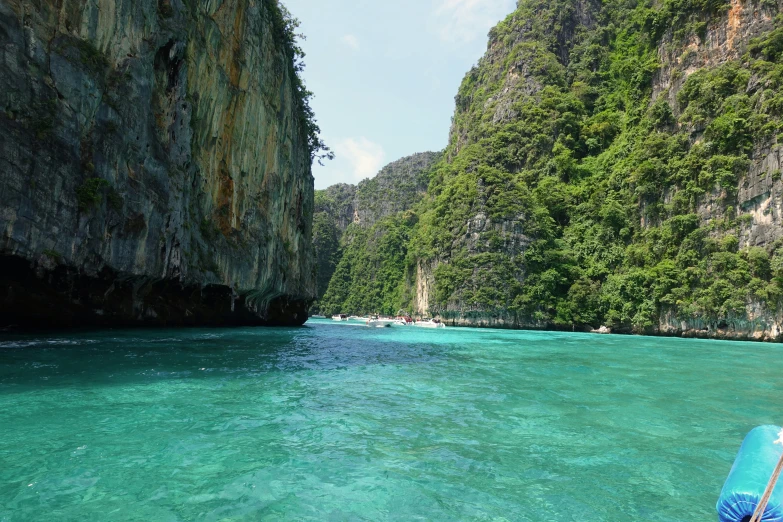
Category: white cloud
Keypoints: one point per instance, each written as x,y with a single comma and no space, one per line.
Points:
364,156
351,41
465,20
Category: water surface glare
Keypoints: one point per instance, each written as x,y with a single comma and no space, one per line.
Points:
339,422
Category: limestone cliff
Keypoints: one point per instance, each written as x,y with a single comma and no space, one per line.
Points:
724,39
614,163
154,165
396,188
475,266
757,196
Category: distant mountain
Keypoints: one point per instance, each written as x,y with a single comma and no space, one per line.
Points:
396,188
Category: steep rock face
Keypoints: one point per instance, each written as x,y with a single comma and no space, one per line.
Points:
758,197
475,265
519,47
339,203
725,39
396,188
154,166
488,249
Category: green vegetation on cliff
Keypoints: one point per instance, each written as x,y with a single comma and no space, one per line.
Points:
285,25
369,277
326,242
349,234
609,184
573,194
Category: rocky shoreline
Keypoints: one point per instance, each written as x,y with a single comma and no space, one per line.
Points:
764,329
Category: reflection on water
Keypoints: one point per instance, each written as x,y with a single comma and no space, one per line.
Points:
339,422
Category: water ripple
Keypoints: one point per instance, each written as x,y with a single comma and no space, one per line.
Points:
329,422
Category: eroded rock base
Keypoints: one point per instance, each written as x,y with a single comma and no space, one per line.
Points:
36,295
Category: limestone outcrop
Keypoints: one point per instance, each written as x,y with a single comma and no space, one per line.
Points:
154,165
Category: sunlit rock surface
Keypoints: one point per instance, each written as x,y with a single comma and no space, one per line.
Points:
154,167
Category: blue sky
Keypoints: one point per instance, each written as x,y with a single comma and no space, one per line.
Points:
385,74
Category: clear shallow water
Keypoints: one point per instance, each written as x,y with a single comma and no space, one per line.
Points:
339,422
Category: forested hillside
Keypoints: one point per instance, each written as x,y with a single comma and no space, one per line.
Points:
347,221
610,163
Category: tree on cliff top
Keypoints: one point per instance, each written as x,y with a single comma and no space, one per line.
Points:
285,26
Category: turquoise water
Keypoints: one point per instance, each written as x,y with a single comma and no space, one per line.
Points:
340,422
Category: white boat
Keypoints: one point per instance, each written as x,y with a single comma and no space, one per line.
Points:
340,317
430,323
379,323
356,319
376,322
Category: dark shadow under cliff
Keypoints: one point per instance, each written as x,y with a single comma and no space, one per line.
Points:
37,296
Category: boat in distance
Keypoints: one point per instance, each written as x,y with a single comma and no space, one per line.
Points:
429,323
379,322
